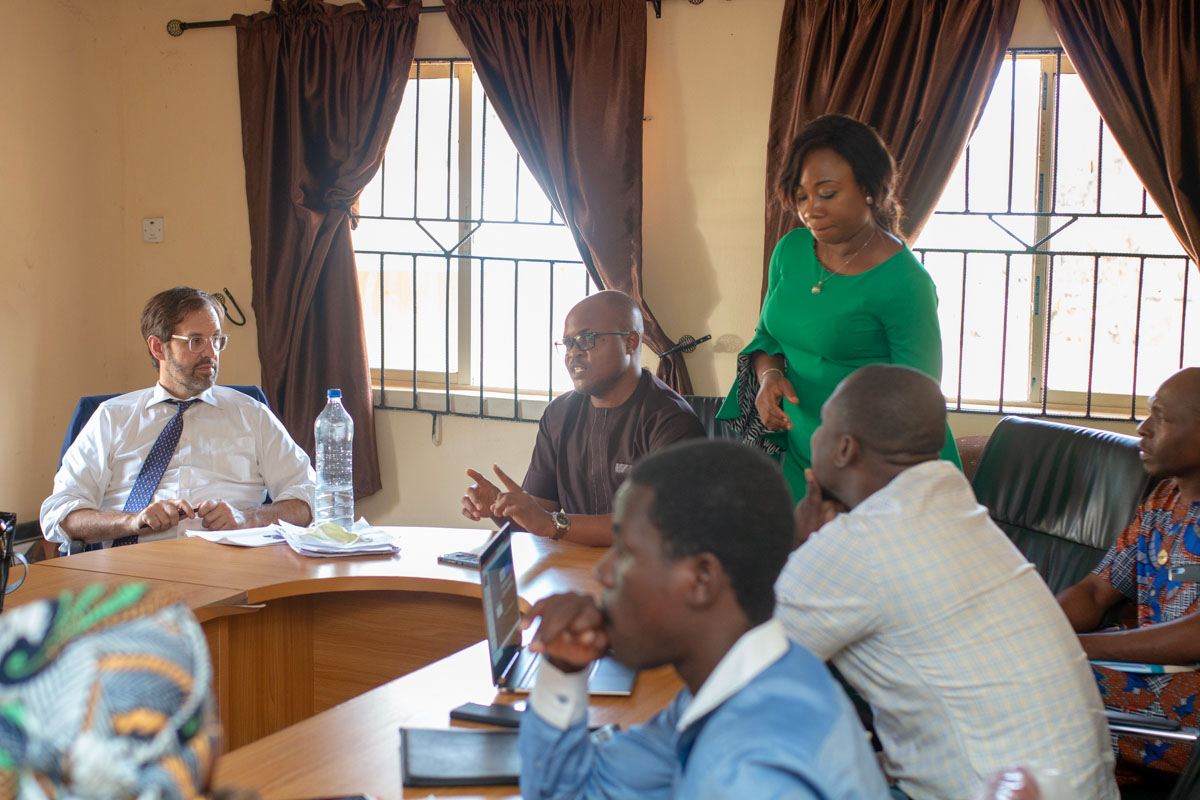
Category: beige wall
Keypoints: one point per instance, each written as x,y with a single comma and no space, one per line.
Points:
704,171
108,120
181,153
60,222
116,121
1033,28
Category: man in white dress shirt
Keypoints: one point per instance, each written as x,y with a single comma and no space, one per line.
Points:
228,454
928,610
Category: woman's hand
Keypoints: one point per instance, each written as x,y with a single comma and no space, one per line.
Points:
772,387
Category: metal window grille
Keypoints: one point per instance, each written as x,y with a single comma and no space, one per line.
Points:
1062,290
465,270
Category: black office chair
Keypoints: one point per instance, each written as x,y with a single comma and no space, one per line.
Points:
1062,493
706,409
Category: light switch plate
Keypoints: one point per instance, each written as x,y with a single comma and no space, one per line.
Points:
152,229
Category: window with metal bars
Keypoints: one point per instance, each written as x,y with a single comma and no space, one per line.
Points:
465,270
1062,289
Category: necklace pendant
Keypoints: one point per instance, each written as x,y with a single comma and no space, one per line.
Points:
816,289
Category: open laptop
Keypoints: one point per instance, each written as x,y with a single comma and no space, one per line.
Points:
513,667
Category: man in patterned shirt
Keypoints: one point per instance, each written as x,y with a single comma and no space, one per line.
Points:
1164,535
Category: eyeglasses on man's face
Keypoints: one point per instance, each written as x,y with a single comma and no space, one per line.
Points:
197,343
585,341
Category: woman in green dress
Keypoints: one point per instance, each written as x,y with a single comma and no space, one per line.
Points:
842,291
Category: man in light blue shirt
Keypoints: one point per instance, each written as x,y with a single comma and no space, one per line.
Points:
700,533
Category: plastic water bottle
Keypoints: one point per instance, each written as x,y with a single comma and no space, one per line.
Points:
335,463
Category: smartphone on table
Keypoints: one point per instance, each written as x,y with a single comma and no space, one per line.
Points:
460,558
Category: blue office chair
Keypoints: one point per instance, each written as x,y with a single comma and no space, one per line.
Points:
88,405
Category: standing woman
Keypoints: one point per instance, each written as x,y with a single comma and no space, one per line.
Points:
843,291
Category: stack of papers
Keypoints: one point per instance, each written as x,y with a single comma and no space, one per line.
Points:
329,539
244,537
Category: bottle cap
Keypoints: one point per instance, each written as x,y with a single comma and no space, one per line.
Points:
335,394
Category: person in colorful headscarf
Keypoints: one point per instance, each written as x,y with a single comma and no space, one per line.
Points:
105,693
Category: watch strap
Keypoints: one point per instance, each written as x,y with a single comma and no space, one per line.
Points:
562,524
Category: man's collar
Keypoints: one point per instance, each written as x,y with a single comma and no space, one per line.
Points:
161,395
756,649
918,478
642,381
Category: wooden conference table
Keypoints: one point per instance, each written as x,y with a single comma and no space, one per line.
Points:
353,749
292,637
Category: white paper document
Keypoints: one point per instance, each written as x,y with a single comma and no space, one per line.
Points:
361,539
246,537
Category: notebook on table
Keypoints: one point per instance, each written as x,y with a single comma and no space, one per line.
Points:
514,668
457,757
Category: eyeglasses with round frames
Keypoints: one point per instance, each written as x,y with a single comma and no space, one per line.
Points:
197,343
585,341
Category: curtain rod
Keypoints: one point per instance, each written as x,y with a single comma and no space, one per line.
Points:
177,27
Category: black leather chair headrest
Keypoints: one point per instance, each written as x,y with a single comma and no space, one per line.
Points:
1079,484
706,409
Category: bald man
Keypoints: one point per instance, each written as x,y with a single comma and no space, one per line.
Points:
927,609
1163,536
588,439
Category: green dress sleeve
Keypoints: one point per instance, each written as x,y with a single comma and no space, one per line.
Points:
739,409
911,325
915,337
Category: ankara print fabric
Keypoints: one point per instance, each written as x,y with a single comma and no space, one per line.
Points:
1165,534
105,693
1164,696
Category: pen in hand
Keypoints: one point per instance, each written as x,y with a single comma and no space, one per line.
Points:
145,527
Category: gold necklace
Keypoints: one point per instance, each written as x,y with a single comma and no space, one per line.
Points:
816,289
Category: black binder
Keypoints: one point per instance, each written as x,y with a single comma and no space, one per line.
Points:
458,757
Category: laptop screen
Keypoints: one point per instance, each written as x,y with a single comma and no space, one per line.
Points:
498,583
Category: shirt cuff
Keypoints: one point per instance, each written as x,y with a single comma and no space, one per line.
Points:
51,518
560,698
306,496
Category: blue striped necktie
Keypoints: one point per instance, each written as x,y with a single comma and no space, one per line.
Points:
155,465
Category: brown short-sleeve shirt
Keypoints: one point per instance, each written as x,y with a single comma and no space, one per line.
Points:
584,453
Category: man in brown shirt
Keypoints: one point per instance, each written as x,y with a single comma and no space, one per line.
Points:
588,439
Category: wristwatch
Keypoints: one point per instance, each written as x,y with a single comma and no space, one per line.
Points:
562,524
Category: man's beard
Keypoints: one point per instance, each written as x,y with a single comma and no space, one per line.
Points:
192,379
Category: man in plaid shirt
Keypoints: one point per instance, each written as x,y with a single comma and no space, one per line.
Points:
928,610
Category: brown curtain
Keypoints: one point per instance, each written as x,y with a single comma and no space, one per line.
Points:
918,71
320,87
1140,62
567,79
